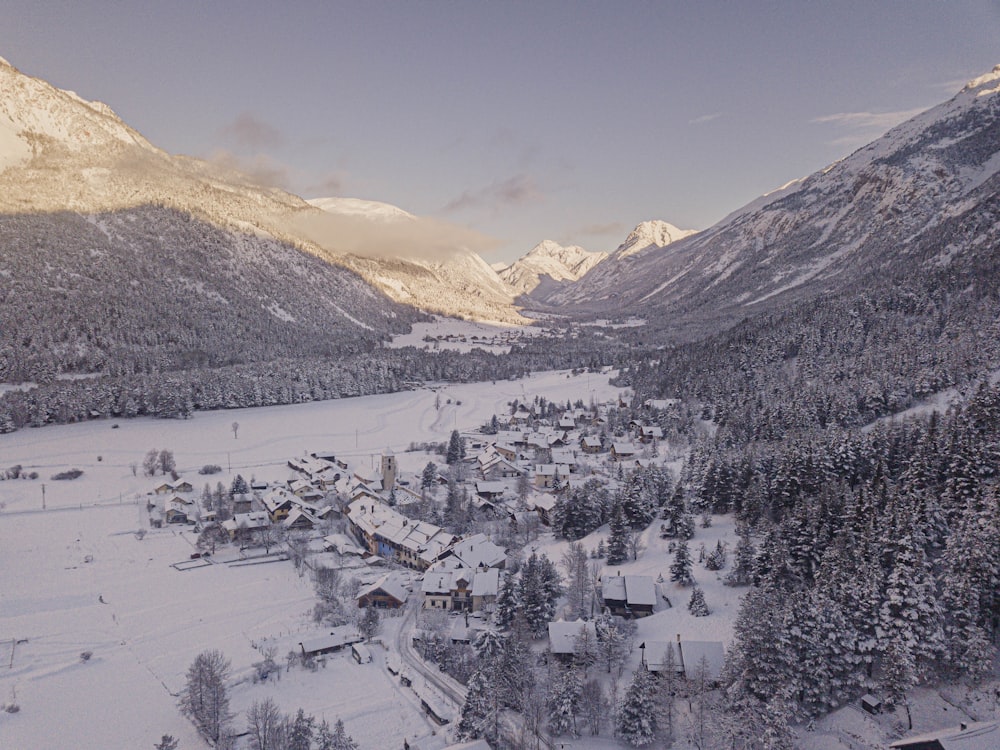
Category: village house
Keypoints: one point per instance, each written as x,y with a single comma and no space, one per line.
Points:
628,596
623,451
563,636
243,525
384,532
337,639
388,592
591,444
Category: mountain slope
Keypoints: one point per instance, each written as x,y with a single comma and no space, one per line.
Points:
895,206
601,282
60,153
547,265
444,276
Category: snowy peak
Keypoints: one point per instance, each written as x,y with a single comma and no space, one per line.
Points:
417,261
37,119
648,234
548,265
920,197
362,209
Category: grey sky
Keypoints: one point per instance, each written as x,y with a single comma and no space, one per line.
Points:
520,120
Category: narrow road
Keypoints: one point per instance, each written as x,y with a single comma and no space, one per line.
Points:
447,685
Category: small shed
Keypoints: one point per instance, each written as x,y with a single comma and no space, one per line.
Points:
361,653
871,703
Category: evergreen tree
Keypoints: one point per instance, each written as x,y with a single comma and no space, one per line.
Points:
680,568
480,713
618,537
564,701
456,449
539,590
300,733
429,476
697,605
508,601
637,715
239,486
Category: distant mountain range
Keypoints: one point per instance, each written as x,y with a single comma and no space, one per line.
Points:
95,218
919,198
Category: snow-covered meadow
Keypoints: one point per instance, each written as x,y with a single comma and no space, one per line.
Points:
59,563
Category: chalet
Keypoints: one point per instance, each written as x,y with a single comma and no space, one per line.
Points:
342,544
163,489
566,422
279,504
242,503
563,636
388,592
590,444
183,486
337,639
299,519
384,532
974,735
566,457
661,403
242,525
547,475
629,596
490,490
503,469
544,504
622,451
476,551
521,416
175,515
687,656
649,433
485,587
693,653
461,589
436,588
257,485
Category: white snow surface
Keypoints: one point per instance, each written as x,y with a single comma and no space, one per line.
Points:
57,563
373,210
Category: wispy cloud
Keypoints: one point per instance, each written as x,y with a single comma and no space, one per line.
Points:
249,132
702,119
868,120
260,170
518,190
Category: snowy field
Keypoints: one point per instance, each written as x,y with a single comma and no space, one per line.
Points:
58,564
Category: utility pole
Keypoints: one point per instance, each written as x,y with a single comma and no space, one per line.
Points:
43,495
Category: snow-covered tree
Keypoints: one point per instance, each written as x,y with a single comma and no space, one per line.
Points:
564,701
618,538
681,567
636,722
205,697
696,605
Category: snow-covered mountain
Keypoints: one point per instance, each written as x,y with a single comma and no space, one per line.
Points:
600,282
917,198
59,152
444,277
547,266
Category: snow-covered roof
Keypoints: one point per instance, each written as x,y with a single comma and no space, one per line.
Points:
623,449
490,488
476,551
563,635
486,582
613,588
437,582
640,590
425,540
976,735
343,544
336,638
391,583
543,502
692,652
